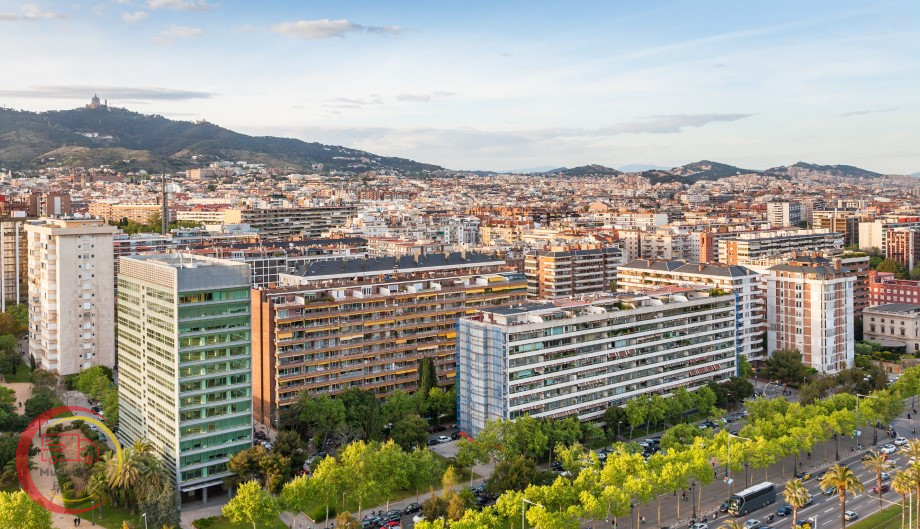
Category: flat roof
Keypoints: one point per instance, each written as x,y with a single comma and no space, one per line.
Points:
904,308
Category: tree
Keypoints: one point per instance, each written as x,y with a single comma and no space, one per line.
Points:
398,405
362,413
346,521
636,412
410,432
844,480
892,266
705,399
246,466
427,376
18,510
903,485
731,524
252,504
614,419
657,410
457,503
276,469
516,473
679,436
796,496
7,396
162,509
744,367
914,273
422,467
877,463
297,495
38,403
321,414
786,365
440,403
289,444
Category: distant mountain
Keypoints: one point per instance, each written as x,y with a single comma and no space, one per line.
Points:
640,167
917,175
828,170
528,170
131,141
585,170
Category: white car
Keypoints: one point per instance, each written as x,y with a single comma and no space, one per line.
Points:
886,476
443,439
752,523
900,441
417,518
700,526
850,516
888,449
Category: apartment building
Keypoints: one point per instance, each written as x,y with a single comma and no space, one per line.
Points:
874,234
306,222
785,214
140,213
367,323
71,294
14,262
202,216
397,246
564,271
577,358
628,221
50,204
885,289
894,324
903,246
645,275
843,222
810,308
184,363
750,246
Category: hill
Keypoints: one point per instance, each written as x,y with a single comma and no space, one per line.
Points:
847,171
129,140
585,170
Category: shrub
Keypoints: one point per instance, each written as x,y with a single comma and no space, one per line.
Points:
205,523
319,513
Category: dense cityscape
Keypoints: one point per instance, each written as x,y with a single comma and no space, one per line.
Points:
209,329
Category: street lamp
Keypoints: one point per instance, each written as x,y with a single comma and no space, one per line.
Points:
144,516
874,430
728,465
525,501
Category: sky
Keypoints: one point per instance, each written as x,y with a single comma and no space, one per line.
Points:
497,85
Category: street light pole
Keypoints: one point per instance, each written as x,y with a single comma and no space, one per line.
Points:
728,465
524,501
144,516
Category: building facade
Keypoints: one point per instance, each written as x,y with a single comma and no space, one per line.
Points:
14,262
185,373
785,214
894,323
644,275
306,222
569,271
810,308
71,294
885,289
903,247
750,246
339,332
577,358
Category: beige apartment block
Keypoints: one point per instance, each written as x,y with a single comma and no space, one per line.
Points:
71,294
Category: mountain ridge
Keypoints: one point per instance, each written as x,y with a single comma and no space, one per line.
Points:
93,136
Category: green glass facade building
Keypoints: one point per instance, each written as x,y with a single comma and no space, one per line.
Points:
184,362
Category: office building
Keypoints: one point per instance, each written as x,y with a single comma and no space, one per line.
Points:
577,358
366,323
184,358
810,309
893,325
71,294
644,275
571,270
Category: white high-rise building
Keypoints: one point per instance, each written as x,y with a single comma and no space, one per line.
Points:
71,294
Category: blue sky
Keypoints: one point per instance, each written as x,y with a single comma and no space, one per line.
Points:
498,85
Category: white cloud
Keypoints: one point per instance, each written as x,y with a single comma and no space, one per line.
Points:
170,34
326,29
136,16
421,98
181,5
121,93
30,12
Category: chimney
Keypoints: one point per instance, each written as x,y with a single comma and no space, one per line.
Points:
836,264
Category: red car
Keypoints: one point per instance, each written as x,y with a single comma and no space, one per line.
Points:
885,488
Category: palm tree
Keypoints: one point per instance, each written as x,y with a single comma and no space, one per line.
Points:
844,480
796,496
878,462
731,524
142,447
903,484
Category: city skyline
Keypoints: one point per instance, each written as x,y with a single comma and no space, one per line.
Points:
497,87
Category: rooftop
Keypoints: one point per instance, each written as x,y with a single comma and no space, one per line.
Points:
904,308
683,267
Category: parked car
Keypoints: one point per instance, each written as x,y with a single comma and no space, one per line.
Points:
556,465
412,508
417,518
443,439
394,514
900,441
850,516
455,436
432,442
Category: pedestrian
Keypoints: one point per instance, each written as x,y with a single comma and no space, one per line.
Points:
908,416
75,522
